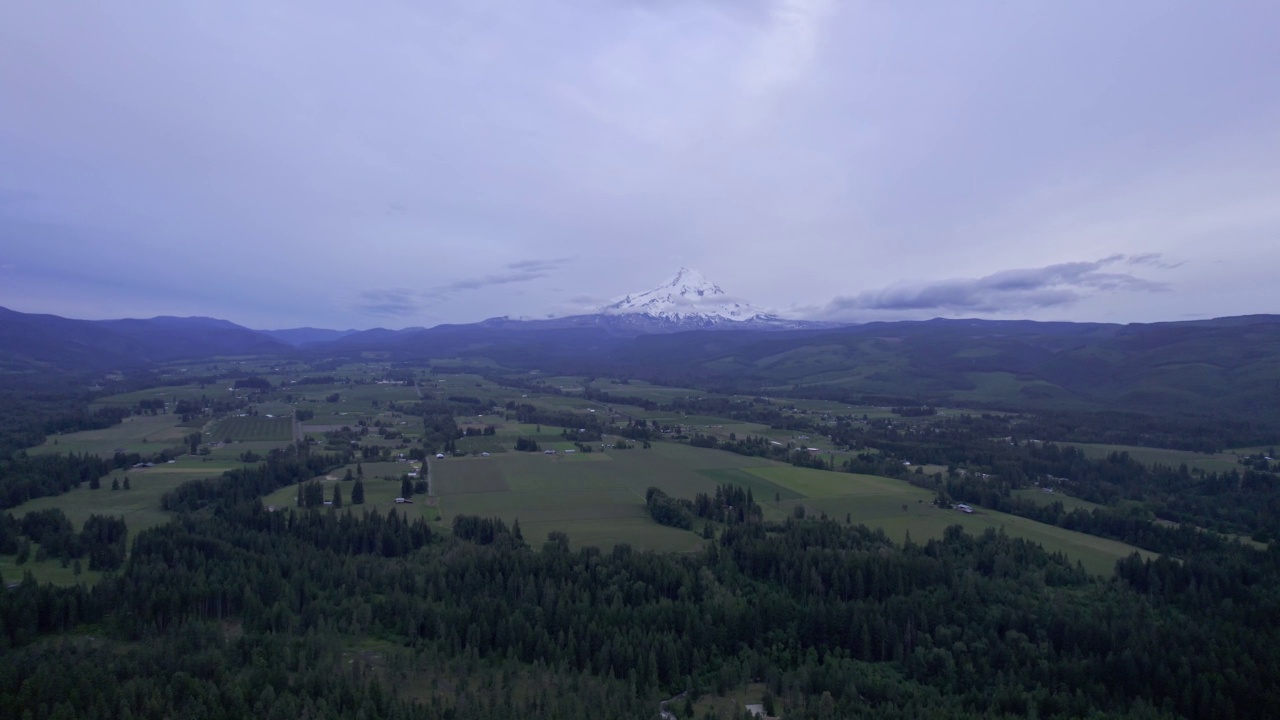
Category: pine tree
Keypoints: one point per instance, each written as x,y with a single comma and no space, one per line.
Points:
406,487
360,470
337,496
348,477
127,486
357,493
115,483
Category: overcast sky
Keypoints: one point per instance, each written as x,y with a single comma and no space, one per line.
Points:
393,163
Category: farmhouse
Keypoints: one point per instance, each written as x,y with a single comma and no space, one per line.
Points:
403,501
964,508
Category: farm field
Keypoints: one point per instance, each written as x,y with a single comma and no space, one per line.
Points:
138,433
1218,462
139,506
381,488
601,501
481,443
253,427
899,508
1043,498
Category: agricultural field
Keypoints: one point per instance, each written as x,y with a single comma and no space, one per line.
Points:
1217,462
253,427
138,433
381,488
168,394
598,498
139,507
900,508
1040,497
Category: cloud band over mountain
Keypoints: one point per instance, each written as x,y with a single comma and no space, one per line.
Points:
1010,290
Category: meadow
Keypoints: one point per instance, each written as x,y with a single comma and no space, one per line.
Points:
601,501
900,508
138,433
1217,462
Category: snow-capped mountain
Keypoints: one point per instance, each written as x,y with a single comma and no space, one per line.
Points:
689,299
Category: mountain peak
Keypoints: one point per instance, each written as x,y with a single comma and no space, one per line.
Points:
688,298
692,282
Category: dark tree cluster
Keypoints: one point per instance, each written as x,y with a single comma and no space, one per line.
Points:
666,510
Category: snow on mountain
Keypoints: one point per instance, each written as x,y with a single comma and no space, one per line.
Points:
688,298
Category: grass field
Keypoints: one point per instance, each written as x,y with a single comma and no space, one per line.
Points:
596,498
1218,462
601,501
253,427
1043,498
138,433
481,443
899,508
48,571
139,507
381,488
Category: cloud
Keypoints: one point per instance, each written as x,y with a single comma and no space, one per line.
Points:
1008,290
402,302
789,45
519,271
390,302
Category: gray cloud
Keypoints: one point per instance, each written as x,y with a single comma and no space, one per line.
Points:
390,302
519,272
1017,290
403,302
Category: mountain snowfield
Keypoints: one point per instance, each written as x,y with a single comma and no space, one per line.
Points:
688,298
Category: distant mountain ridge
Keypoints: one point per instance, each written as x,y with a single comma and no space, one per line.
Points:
31,341
301,337
1224,368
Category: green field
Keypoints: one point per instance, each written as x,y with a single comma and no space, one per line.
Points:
1040,497
381,488
253,427
481,443
899,508
1218,462
139,507
601,501
596,498
138,433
